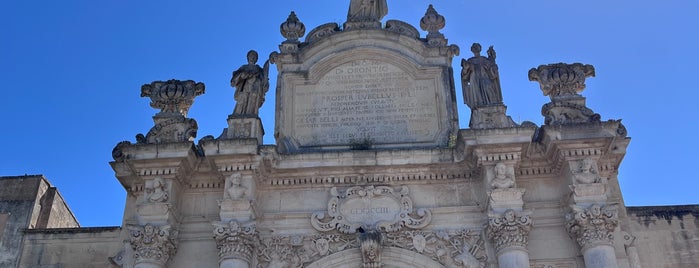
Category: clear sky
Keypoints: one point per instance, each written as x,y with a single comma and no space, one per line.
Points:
71,74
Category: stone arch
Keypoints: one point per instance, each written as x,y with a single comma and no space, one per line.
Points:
391,257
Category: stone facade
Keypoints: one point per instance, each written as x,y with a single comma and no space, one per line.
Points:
371,169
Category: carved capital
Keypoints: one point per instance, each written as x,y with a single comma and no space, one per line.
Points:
509,230
562,79
592,226
152,244
235,240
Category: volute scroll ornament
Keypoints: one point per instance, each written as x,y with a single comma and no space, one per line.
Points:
594,225
235,240
510,230
370,208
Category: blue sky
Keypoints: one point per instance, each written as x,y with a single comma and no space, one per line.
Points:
72,71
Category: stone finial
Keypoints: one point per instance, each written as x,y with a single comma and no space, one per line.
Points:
509,230
172,96
152,244
562,79
432,22
292,29
592,226
562,82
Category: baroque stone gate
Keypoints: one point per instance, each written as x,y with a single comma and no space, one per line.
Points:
370,168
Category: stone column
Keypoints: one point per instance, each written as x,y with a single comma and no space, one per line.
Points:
236,243
153,245
593,229
509,233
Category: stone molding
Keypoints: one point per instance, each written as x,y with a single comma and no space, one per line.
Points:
509,230
451,248
235,240
153,244
592,226
370,207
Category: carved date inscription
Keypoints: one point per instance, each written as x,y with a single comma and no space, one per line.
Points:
366,102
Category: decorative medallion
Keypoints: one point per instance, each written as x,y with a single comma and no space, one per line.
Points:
370,208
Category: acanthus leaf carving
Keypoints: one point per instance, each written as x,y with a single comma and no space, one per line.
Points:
592,226
235,240
510,230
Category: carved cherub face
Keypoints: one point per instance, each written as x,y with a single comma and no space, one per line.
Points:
586,165
596,210
510,215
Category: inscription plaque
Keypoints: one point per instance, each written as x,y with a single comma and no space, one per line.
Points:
370,207
366,102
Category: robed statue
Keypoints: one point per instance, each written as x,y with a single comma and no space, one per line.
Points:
251,83
480,79
367,10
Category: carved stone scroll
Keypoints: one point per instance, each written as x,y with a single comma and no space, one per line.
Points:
173,98
371,208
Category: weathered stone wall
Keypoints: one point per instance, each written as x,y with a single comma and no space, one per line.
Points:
70,247
17,195
666,236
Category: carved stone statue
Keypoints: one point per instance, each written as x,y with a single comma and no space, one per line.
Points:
158,192
502,179
480,79
234,188
367,10
251,83
586,172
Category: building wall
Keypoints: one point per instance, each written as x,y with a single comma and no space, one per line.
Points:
28,202
666,236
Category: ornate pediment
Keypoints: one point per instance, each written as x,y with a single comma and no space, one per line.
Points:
370,208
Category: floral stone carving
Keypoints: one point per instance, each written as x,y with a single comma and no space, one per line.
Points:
371,208
451,248
510,230
153,244
173,98
370,245
235,240
592,226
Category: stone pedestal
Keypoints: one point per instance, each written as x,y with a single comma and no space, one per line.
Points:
237,210
508,198
589,193
244,128
155,213
513,258
490,117
600,256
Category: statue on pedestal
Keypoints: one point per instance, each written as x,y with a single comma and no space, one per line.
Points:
251,83
367,10
480,79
